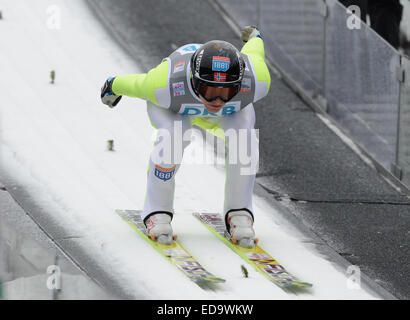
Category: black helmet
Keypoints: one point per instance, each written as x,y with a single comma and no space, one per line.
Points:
217,64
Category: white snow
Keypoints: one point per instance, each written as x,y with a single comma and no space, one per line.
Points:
53,140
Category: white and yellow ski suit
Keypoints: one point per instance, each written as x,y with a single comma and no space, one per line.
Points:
170,98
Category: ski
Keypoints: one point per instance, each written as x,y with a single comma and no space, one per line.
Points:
174,252
258,258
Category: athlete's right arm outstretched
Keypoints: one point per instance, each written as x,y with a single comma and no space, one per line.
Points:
142,85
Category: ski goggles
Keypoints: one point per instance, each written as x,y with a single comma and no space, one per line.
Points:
212,93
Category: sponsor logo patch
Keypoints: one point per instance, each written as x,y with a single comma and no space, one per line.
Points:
164,173
246,85
178,88
189,48
199,110
246,66
220,63
179,66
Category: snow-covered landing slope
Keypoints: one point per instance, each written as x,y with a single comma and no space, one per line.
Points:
53,143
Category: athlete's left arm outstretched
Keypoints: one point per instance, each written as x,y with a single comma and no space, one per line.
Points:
254,48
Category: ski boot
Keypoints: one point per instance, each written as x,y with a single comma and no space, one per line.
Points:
240,228
159,228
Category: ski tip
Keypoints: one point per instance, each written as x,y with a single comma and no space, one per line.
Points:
298,285
209,280
306,284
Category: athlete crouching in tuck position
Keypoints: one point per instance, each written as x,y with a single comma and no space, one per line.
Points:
209,85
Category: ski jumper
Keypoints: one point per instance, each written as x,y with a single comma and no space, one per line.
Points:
171,99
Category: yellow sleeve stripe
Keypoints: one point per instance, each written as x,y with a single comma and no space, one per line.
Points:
142,85
255,49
